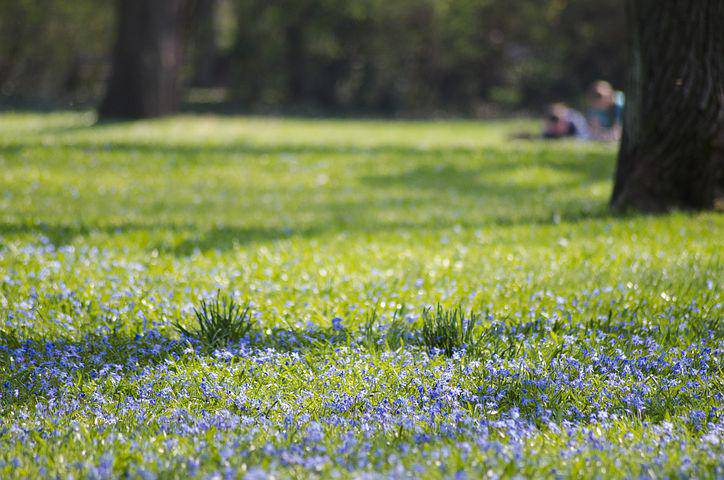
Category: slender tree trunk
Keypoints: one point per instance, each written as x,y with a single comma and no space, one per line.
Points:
147,59
295,62
205,51
672,150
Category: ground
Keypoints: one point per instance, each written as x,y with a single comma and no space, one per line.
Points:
598,340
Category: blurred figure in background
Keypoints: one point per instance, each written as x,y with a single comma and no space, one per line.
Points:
605,111
562,121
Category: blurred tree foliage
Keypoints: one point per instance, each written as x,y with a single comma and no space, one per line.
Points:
424,55
376,56
54,49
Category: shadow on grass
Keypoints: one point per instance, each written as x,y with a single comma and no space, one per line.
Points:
11,149
32,367
198,238
427,186
594,165
449,177
228,237
27,365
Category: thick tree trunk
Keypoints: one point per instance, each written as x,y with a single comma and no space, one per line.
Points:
147,59
671,153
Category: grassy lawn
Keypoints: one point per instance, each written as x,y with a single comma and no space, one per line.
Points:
596,350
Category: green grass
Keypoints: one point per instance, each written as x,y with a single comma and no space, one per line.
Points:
110,234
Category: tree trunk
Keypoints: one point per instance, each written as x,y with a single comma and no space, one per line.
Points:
671,153
295,62
205,50
147,59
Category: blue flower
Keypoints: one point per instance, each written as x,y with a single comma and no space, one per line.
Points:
337,324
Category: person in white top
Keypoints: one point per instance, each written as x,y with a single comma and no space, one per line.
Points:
562,121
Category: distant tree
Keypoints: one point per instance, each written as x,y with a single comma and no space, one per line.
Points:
204,39
147,59
671,153
422,56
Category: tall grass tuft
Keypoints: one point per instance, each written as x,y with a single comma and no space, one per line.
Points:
219,322
449,329
376,336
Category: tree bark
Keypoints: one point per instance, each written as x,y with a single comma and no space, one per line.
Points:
147,59
205,50
295,62
672,149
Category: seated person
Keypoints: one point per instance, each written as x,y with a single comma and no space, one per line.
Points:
564,122
605,111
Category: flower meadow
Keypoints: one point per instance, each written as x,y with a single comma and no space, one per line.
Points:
425,300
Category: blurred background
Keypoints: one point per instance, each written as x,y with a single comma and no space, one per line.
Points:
408,58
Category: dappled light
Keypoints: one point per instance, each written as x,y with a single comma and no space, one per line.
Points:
355,239
421,283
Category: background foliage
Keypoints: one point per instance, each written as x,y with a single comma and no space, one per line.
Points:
468,57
